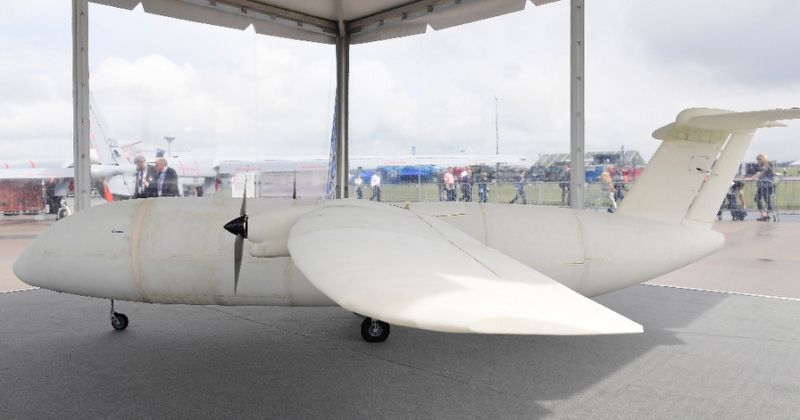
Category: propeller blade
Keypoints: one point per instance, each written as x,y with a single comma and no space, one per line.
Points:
238,247
238,227
243,211
294,187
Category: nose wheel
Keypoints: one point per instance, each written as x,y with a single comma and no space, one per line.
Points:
118,321
374,331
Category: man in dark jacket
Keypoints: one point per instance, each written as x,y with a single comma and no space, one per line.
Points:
167,181
146,176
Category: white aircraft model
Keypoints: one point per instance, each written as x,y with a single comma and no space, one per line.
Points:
450,267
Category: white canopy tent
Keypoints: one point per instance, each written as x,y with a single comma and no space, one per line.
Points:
339,22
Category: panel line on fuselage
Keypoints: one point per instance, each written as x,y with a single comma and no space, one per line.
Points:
136,236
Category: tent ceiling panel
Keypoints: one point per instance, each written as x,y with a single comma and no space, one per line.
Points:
395,30
319,20
122,4
189,11
292,31
473,12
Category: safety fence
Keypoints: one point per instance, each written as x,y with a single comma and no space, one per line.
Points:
786,196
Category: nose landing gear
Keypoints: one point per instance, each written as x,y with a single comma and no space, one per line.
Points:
374,331
118,321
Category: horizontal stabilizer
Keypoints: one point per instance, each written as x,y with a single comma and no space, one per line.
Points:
416,271
726,121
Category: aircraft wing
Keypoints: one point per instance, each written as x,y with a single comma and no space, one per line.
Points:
37,173
417,271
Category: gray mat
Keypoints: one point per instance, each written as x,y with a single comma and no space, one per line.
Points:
704,355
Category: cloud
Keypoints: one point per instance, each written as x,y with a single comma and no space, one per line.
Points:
744,42
236,94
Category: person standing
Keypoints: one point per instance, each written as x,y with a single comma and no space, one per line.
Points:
564,185
519,188
483,188
609,190
450,185
466,184
167,181
764,187
358,181
145,178
440,184
375,183
619,185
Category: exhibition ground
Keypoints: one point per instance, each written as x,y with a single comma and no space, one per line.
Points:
721,341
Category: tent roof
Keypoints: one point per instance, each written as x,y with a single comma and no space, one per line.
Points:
322,20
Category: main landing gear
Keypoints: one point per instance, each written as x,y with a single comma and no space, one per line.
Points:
374,331
118,321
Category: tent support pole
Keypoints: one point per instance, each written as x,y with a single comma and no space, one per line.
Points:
342,114
80,104
577,116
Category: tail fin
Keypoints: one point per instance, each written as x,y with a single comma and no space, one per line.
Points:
688,176
101,145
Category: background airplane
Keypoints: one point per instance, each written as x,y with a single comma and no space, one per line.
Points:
108,171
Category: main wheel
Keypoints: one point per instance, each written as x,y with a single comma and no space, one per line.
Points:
374,331
119,321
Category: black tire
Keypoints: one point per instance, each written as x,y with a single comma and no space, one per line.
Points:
119,321
374,331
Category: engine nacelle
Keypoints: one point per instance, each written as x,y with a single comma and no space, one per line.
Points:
268,232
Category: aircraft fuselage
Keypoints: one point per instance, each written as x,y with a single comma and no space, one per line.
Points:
174,250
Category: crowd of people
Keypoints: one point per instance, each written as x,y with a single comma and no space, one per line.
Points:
464,179
159,180
374,184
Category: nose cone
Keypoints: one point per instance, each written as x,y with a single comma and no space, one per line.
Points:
29,266
87,253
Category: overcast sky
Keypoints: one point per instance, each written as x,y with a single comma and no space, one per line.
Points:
235,94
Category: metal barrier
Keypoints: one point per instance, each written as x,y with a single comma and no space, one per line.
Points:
786,197
537,193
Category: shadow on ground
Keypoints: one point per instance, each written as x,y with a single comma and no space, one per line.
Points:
60,358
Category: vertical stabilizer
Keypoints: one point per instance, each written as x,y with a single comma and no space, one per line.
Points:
688,176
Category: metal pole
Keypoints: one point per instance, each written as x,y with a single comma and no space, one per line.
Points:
80,104
342,91
577,120
496,127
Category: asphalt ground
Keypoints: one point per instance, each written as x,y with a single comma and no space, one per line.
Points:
704,355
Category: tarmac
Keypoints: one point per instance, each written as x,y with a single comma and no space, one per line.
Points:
730,352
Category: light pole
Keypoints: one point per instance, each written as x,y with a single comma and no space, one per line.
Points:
169,140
